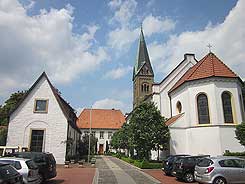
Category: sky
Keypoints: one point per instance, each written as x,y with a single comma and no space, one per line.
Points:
88,48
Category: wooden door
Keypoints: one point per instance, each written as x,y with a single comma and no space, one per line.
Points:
101,149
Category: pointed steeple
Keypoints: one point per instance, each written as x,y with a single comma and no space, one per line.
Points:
142,56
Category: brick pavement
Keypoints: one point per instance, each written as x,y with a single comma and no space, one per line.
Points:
73,175
159,175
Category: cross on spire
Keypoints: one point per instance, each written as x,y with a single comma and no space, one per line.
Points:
209,46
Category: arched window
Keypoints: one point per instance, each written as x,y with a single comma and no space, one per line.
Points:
202,107
142,87
227,107
179,107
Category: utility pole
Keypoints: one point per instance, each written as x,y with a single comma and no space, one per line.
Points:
89,136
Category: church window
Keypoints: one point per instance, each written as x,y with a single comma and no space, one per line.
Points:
227,107
142,87
41,105
147,88
37,140
203,110
179,107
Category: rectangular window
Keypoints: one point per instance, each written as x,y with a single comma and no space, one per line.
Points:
109,135
41,105
93,133
37,140
101,135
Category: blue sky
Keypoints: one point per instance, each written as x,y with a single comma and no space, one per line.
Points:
88,48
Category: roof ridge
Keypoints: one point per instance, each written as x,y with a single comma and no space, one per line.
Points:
225,65
198,65
212,61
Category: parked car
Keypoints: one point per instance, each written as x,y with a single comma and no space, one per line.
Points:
9,175
169,163
185,166
26,167
45,161
220,170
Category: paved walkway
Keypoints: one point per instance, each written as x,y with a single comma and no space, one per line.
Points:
111,170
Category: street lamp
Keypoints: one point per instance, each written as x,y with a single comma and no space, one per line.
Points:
90,120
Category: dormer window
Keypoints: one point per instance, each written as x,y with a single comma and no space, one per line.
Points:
41,105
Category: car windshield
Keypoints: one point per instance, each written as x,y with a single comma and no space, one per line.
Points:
205,162
31,165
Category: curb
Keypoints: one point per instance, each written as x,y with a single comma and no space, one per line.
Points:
141,170
96,177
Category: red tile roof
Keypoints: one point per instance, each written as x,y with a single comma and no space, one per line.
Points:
101,118
209,66
173,119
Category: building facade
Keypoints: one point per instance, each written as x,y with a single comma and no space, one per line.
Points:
44,122
103,122
202,101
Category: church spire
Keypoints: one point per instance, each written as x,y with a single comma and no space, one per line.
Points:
142,56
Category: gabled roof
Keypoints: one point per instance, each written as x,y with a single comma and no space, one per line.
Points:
173,119
142,56
209,66
67,110
101,119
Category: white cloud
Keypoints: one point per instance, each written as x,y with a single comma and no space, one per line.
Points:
227,38
118,72
127,33
113,4
32,44
109,103
124,11
158,24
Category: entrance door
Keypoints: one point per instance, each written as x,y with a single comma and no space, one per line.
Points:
37,140
101,149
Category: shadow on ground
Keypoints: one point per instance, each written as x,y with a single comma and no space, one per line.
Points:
54,181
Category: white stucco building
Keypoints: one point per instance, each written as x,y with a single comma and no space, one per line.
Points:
43,121
203,101
104,123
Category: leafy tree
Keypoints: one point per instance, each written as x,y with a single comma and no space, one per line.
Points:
148,129
240,133
5,109
9,105
84,144
122,138
3,136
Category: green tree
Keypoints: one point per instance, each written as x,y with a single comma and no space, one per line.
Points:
9,105
122,138
5,109
84,144
240,133
148,129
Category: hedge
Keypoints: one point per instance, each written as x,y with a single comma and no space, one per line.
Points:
238,154
142,164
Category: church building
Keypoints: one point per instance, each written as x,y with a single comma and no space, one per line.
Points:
201,99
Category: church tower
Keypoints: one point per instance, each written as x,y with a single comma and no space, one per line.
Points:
143,76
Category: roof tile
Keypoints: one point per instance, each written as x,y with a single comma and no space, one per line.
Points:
101,118
209,66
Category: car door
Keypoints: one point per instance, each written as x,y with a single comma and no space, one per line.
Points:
240,175
229,170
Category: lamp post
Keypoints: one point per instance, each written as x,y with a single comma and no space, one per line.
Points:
90,123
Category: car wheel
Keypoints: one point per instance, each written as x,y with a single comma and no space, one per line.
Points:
219,180
189,177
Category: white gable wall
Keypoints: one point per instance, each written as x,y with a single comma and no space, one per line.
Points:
23,120
213,138
160,91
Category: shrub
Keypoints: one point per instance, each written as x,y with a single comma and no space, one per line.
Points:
238,154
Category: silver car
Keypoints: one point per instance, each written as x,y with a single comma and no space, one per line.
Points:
220,170
26,167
